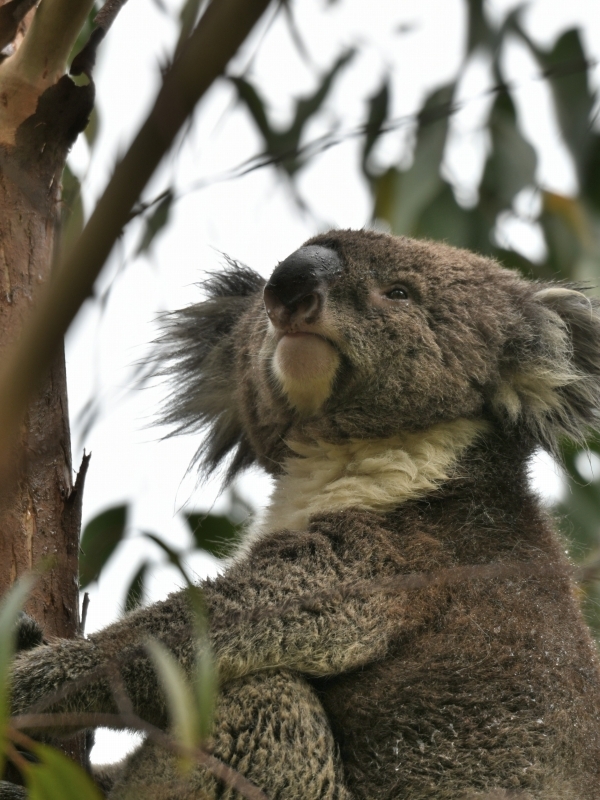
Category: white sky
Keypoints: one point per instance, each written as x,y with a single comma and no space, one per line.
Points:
255,220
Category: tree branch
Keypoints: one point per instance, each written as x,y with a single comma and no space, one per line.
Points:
42,57
216,39
11,14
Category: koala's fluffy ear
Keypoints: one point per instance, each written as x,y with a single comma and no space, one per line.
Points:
197,351
550,376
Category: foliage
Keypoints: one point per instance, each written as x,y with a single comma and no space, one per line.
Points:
419,200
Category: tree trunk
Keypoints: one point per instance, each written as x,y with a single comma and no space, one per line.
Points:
40,507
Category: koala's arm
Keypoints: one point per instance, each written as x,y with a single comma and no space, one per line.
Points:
254,624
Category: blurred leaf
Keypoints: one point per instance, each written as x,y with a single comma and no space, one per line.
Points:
56,777
134,596
378,112
98,542
401,197
567,73
10,606
283,145
205,673
190,12
91,131
72,216
183,712
443,219
590,177
511,164
155,222
566,231
174,557
84,33
579,520
205,686
215,534
479,32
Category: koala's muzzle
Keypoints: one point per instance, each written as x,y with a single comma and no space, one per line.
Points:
296,289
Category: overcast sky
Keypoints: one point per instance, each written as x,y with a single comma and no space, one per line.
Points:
255,219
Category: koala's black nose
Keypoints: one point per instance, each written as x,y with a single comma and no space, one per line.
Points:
295,290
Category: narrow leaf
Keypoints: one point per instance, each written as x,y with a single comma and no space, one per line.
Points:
56,777
215,534
156,222
378,111
72,216
180,698
99,541
134,596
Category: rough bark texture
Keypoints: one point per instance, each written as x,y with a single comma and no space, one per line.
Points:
40,507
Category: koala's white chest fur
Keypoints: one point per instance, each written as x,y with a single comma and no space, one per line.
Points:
376,475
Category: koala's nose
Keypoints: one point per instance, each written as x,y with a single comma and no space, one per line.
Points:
296,289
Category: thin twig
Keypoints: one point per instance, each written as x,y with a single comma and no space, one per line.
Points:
84,612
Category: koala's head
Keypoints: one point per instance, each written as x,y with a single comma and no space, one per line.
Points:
361,335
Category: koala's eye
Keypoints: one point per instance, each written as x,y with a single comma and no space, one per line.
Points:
397,293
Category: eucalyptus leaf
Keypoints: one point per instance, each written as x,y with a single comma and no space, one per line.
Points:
56,777
378,105
100,538
512,161
134,596
407,194
215,534
283,145
183,712
72,215
566,68
155,223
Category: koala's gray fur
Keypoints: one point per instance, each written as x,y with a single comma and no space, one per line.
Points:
402,624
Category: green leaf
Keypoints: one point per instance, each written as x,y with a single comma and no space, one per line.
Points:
215,534
378,112
283,145
56,777
174,557
479,32
183,712
205,686
156,222
188,15
511,164
566,231
590,174
567,73
99,541
401,197
72,216
91,131
134,596
205,673
443,219
10,606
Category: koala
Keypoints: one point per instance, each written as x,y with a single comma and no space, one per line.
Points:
402,622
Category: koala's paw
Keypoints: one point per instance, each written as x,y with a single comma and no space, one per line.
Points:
29,635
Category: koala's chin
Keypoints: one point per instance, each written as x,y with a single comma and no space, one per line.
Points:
305,366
